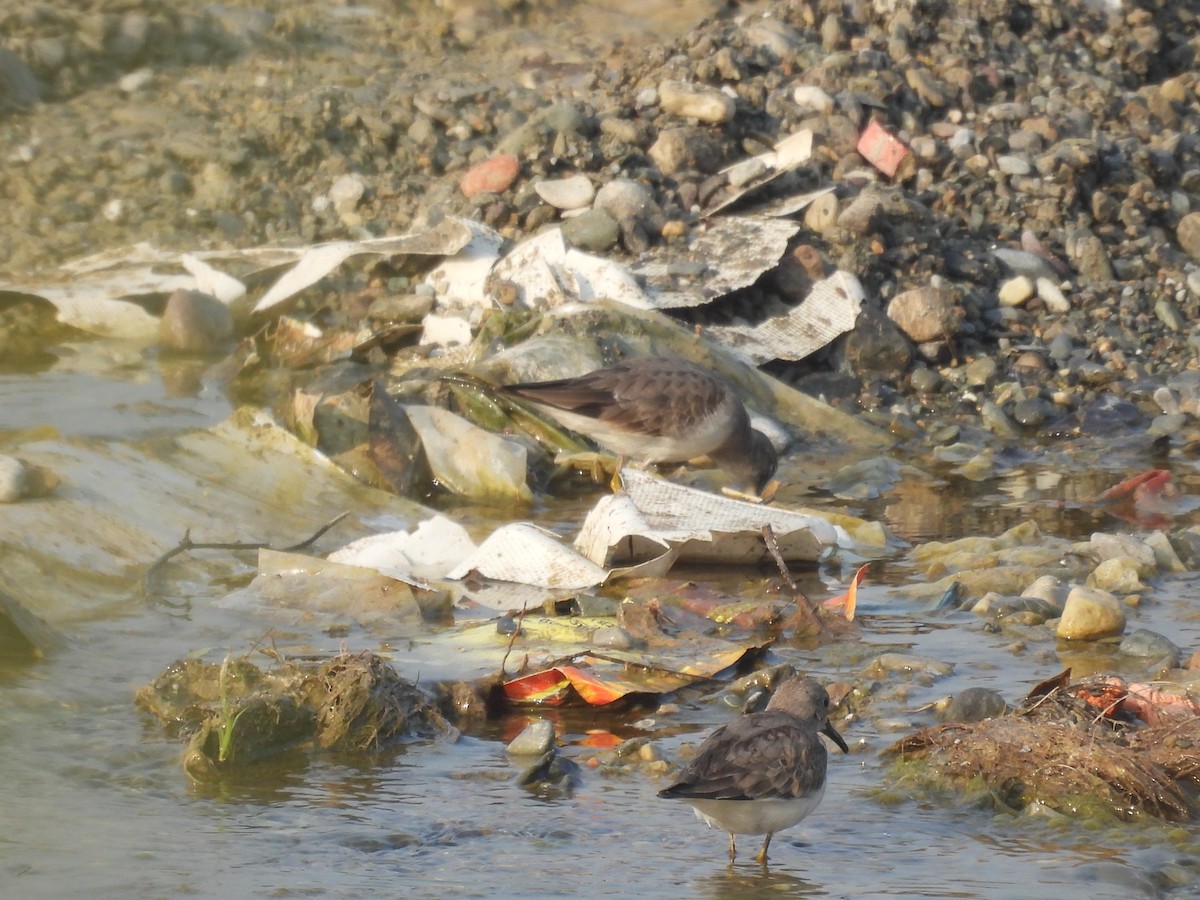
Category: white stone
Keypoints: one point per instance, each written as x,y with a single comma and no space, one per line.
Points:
135,80
1049,589
811,98
1013,165
575,192
692,101
1052,295
347,192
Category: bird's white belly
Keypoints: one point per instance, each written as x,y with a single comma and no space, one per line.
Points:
756,816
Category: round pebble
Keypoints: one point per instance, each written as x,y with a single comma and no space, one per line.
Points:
575,192
492,176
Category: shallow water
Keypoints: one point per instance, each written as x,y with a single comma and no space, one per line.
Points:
95,798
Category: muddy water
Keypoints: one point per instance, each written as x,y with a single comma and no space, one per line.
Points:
94,798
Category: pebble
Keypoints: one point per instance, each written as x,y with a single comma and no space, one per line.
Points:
1016,291
1013,165
1048,589
981,372
575,192
1147,644
593,230
821,215
1120,575
1104,546
812,99
693,101
492,176
347,192
924,313
1089,614
1187,232
685,148
13,483
1051,294
623,198
974,705
535,739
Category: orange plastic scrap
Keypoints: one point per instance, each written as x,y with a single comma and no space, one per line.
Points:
848,601
1154,707
596,691
562,684
1113,695
882,149
549,687
1145,486
1147,499
599,739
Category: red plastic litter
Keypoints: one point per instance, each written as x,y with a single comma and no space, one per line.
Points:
882,149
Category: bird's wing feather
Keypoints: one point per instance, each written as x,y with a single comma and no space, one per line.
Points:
766,755
633,398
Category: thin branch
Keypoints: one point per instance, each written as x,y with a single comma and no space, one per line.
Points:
772,543
513,639
186,545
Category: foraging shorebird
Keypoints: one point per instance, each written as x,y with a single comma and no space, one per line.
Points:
764,772
655,409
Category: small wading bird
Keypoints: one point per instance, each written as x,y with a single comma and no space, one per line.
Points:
764,772
654,410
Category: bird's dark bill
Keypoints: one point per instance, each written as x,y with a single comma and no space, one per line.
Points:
832,734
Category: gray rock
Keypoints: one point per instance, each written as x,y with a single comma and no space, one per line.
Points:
974,705
1145,644
1092,261
622,198
593,230
1022,262
404,308
1106,546
980,372
19,87
535,739
129,40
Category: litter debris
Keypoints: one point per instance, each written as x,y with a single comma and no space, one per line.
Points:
884,150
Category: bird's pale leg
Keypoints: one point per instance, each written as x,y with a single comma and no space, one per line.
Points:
762,854
732,849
